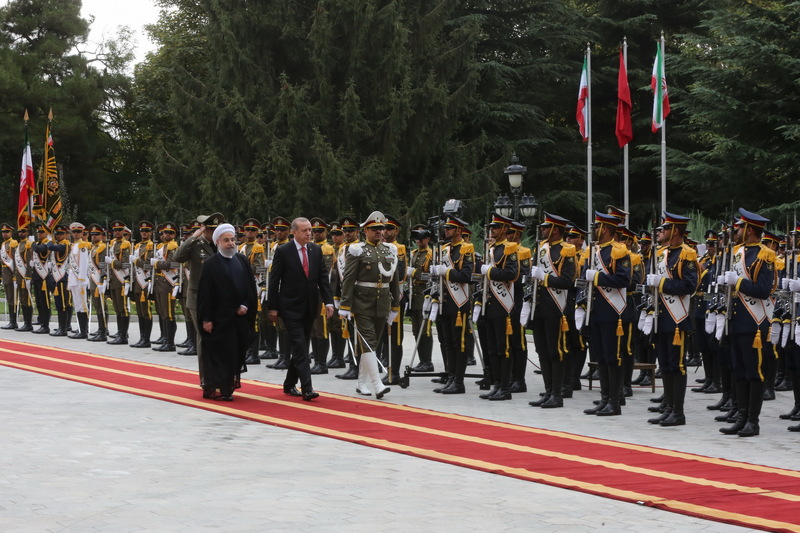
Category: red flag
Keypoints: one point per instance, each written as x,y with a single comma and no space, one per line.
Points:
27,184
624,128
583,97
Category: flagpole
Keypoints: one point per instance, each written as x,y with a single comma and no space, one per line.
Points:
625,175
663,138
589,212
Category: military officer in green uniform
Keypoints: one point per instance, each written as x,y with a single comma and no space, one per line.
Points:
118,257
142,254
320,332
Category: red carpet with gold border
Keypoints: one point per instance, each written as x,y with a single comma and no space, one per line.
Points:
717,489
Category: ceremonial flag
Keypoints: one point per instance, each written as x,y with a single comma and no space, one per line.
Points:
624,128
52,188
583,102
27,183
658,83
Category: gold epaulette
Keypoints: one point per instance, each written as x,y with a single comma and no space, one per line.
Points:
636,259
172,245
524,253
149,246
618,250
401,249
85,246
737,247
327,248
467,248
568,250
780,263
124,245
767,254
660,250
510,248
258,248
688,253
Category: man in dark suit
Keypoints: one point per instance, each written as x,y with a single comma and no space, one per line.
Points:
226,308
297,280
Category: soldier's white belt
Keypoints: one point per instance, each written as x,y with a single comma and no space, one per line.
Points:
372,284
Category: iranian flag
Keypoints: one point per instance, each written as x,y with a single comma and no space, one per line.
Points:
583,102
658,83
27,185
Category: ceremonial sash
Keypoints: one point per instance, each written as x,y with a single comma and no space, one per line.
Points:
78,264
40,266
7,259
759,309
677,306
617,298
123,272
22,268
171,275
501,289
459,292
546,263
138,271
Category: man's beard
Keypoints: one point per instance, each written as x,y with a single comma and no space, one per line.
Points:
229,253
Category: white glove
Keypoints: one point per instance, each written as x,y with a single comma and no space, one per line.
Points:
794,285
720,326
392,316
525,314
537,273
721,280
775,332
654,280
648,324
426,305
580,316
175,290
153,261
476,314
109,259
410,271
711,322
731,277
434,312
642,318
785,334
797,333
268,263
485,269
126,287
785,284
101,289
336,303
590,274
344,313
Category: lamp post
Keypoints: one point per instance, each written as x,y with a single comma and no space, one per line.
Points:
526,204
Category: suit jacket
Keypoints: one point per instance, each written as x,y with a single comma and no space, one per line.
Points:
291,293
218,298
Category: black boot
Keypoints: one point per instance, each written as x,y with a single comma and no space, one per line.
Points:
12,318
457,387
61,331
27,318
666,407
602,372
676,417
191,337
252,352
168,345
145,326
122,330
162,328
351,373
320,345
742,389
614,383
756,393
504,393
83,327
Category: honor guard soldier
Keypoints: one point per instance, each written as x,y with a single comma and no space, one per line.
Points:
166,284
7,250
59,278
418,299
118,262
704,323
335,322
456,263
576,354
256,255
320,331
393,354
675,281
500,270
554,276
194,251
268,334
644,350
630,316
22,277
189,345
143,252
608,274
751,279
522,308
776,351
40,261
98,281
280,226
78,284
350,230
371,295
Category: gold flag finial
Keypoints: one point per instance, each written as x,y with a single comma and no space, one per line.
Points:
25,117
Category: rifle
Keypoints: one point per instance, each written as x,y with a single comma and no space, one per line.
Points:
486,251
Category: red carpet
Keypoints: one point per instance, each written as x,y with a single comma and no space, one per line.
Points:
717,489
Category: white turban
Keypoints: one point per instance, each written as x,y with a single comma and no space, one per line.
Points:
222,228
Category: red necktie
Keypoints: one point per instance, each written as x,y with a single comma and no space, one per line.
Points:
305,260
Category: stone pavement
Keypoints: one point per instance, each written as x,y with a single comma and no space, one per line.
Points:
77,458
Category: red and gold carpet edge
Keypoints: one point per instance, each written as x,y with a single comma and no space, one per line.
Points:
744,494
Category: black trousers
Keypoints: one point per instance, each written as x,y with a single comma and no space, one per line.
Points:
299,333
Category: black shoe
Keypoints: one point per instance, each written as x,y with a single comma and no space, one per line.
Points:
659,399
184,344
99,338
794,428
609,410
161,340
638,379
292,392
58,333
269,354
120,339
518,386
454,388
541,401
471,360
713,389
627,391
142,344
43,330
352,373
701,389
190,350
383,393
78,335
769,394
784,386
423,367
281,364
253,359
10,325
25,327
335,363
487,395
394,381
500,395
208,393
310,395
750,429
791,413
659,419
166,347
674,420
656,408
319,369
553,402
734,429
646,381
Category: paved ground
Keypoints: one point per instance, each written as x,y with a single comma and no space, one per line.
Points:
77,458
